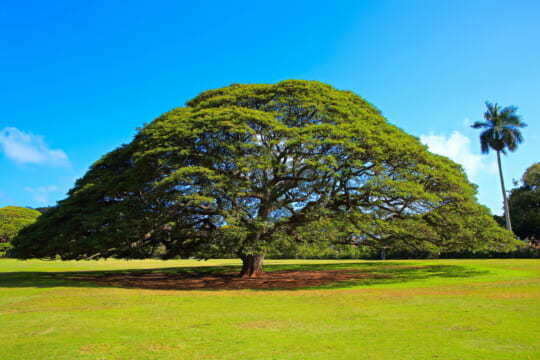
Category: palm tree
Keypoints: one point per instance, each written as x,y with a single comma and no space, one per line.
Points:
501,133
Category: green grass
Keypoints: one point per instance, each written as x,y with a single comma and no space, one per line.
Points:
438,309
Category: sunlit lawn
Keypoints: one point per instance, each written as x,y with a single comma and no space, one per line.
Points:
438,309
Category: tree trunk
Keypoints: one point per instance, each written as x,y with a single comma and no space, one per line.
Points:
252,265
506,208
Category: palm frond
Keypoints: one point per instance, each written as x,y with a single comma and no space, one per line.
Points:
509,117
479,124
518,136
492,112
502,128
508,139
485,139
509,110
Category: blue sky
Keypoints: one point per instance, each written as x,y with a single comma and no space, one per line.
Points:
78,77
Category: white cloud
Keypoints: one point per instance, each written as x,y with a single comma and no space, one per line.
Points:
28,148
42,189
458,148
41,199
41,194
5,198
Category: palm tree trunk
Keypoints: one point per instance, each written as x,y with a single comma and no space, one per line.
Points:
506,208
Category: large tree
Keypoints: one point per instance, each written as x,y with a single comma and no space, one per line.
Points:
12,220
524,203
501,132
247,168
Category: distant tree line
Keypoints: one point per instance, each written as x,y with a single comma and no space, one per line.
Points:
12,220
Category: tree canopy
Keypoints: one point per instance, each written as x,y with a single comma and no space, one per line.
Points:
12,220
246,168
524,203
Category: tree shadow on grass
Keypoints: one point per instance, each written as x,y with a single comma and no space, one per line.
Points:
404,274
277,277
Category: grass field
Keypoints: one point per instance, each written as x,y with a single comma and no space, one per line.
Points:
437,309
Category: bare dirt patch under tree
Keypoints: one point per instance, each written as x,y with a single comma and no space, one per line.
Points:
285,279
